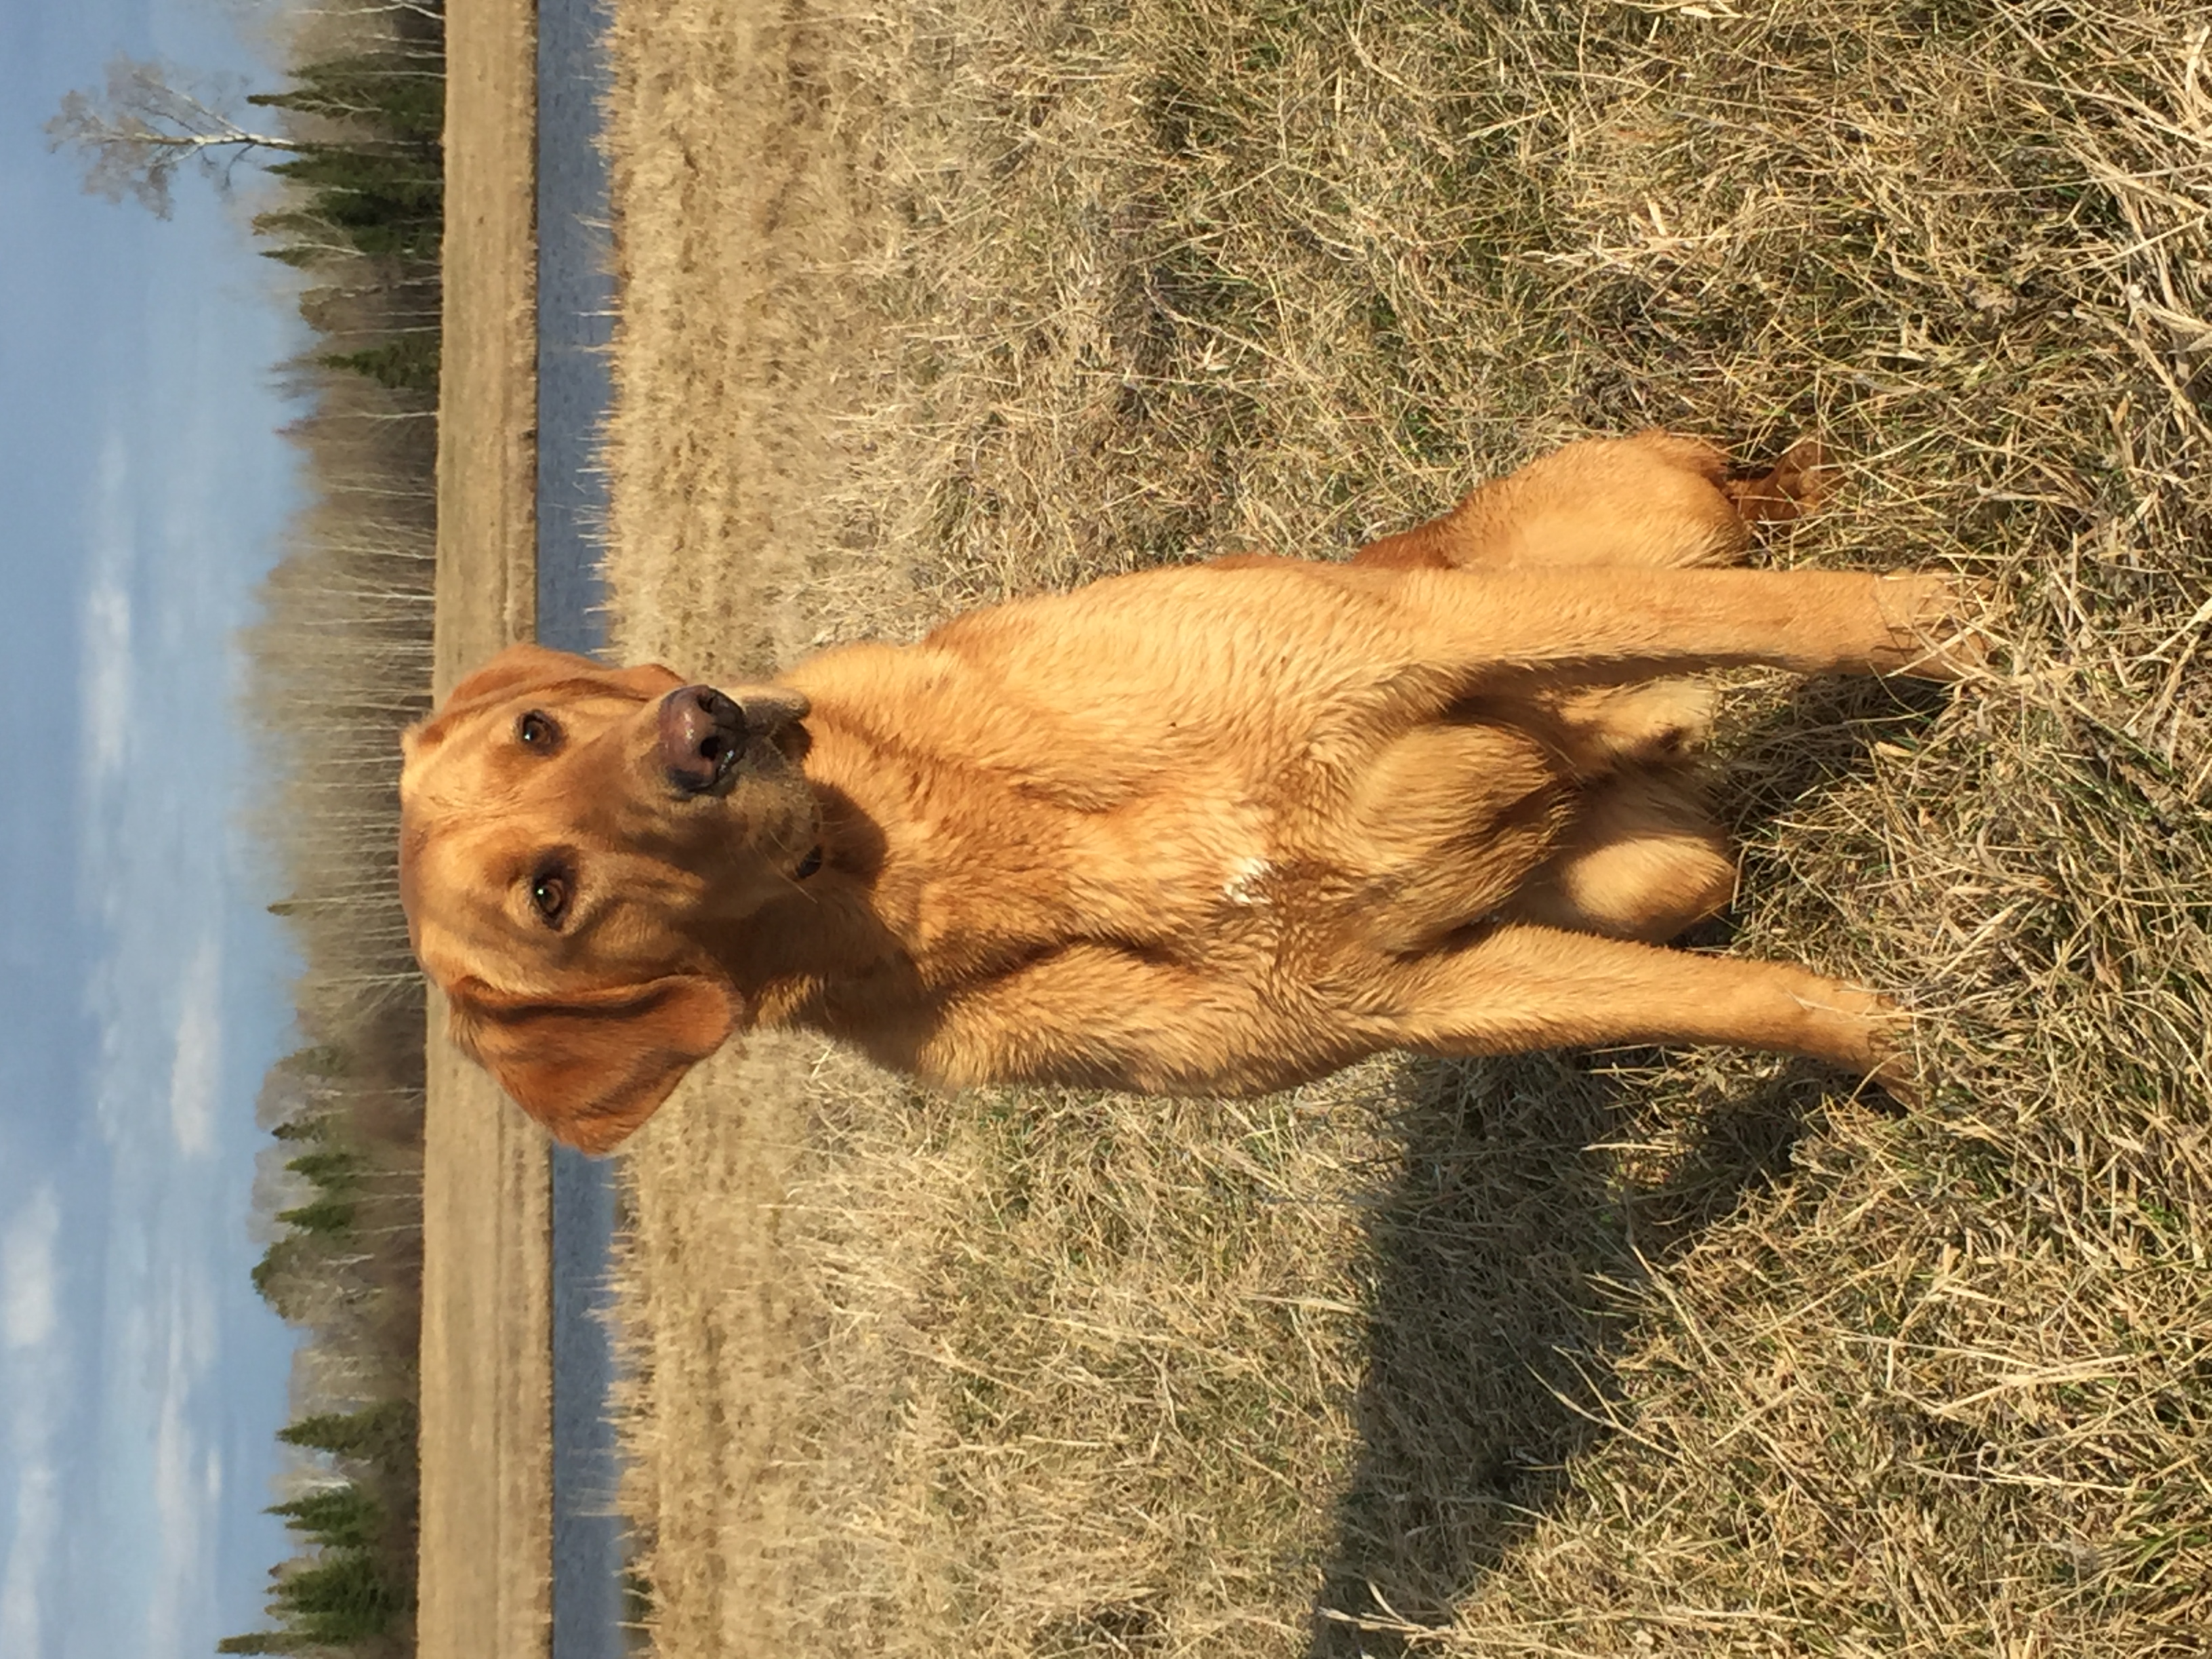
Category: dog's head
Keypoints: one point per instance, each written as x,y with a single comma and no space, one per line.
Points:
569,834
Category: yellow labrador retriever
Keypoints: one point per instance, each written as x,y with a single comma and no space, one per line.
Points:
1222,828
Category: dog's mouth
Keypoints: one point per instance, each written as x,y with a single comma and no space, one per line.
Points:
706,735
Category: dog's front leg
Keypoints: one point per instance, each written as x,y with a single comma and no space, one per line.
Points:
1614,625
1095,1016
1521,988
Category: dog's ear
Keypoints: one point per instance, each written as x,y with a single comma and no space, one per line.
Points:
591,1066
521,667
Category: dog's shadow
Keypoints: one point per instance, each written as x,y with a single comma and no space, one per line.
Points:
1530,1199
1502,1260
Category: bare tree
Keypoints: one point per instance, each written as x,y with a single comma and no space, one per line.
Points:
147,124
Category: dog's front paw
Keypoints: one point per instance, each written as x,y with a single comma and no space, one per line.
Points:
1895,1071
1940,626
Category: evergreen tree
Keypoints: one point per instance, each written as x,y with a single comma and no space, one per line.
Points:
383,1433
400,93
336,1517
344,1597
337,1170
407,364
265,1641
326,1217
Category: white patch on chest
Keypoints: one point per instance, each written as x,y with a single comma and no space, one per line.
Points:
1242,886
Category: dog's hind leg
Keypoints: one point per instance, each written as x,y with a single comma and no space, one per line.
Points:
1652,499
1795,485
1593,731
1644,861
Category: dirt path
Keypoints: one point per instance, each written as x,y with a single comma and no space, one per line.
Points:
486,1373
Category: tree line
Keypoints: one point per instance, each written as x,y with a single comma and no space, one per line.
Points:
352,149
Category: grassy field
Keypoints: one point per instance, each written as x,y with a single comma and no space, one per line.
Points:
1637,1354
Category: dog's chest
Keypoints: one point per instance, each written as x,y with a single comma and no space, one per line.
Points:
1009,877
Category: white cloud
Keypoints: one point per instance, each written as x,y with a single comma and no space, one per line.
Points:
187,1480
195,1070
36,1383
37,1521
29,1276
106,704
108,680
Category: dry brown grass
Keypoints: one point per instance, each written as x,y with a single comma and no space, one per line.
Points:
1651,1355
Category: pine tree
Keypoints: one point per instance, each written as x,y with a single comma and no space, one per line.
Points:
383,1433
265,1641
402,93
335,1169
336,1517
407,364
344,1597
325,1216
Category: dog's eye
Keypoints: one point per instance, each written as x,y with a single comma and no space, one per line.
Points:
549,891
536,732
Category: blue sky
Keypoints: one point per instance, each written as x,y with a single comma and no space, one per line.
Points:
144,492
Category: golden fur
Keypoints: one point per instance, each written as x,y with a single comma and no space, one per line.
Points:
1216,828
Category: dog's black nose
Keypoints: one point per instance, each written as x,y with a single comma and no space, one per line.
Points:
700,732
